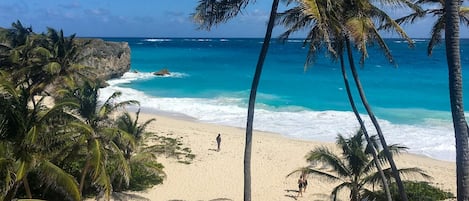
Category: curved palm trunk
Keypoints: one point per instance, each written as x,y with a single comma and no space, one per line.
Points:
363,128
83,175
252,101
375,123
456,98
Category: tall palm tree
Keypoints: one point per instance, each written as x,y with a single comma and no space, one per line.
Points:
323,23
330,26
209,13
361,27
449,15
453,57
353,169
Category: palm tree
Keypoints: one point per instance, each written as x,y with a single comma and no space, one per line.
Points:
98,135
353,169
451,13
25,134
209,13
139,156
361,27
439,12
331,27
453,57
325,24
17,35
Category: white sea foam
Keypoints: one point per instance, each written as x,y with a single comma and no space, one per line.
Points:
433,138
224,40
157,40
128,77
295,41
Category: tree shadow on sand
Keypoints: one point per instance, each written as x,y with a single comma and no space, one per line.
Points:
216,199
119,196
290,195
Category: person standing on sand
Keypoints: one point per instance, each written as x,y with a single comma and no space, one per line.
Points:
218,142
305,183
300,186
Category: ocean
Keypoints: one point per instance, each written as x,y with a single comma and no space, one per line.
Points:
210,82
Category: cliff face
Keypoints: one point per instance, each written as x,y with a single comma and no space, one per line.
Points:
106,59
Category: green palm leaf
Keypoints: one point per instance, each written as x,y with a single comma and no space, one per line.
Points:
58,179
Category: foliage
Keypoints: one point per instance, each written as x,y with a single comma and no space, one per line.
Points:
72,147
416,191
436,9
354,168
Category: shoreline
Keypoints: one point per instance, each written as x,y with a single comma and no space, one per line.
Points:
184,117
219,175
431,137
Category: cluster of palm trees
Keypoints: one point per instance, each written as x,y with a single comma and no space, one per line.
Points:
342,27
57,141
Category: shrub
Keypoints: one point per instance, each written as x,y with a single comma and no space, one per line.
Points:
416,191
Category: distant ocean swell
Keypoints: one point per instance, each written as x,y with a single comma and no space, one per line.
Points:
433,137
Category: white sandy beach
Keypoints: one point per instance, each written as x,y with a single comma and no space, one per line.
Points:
219,175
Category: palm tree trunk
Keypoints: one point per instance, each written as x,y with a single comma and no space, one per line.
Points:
363,129
83,176
252,101
375,123
27,188
456,98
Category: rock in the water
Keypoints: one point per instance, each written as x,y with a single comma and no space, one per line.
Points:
162,72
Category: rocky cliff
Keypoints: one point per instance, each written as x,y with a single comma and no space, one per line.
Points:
107,59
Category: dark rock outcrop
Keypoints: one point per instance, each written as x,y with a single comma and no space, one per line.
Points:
106,59
162,72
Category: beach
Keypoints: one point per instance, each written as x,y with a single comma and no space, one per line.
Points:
216,175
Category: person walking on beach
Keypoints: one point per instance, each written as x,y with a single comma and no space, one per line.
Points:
301,186
305,183
218,142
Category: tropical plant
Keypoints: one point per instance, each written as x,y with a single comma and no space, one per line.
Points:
353,168
26,140
17,35
461,130
98,136
450,14
209,13
436,9
141,159
416,191
324,30
332,26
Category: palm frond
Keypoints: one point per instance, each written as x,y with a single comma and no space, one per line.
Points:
324,155
464,15
58,179
96,159
209,13
122,165
338,188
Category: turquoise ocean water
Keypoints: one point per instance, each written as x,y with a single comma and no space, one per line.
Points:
211,78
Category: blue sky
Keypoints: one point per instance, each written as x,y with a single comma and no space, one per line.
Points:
147,18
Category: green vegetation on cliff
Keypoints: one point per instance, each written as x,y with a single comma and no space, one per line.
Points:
67,146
